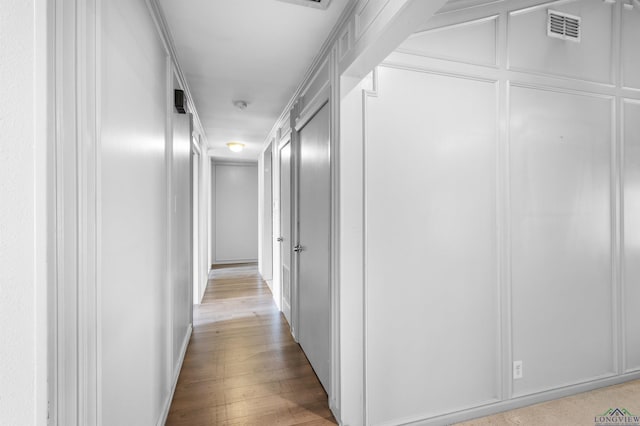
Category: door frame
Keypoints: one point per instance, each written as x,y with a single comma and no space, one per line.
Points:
196,234
74,94
301,113
278,249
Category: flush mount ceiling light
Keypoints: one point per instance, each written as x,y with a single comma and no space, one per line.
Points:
319,4
241,105
235,146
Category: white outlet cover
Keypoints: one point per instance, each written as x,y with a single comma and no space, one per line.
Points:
517,370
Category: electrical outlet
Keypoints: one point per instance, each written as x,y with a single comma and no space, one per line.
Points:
517,370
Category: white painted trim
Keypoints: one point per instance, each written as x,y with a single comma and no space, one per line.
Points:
195,146
219,162
334,240
316,104
366,94
624,364
176,374
234,261
277,221
519,402
75,308
44,207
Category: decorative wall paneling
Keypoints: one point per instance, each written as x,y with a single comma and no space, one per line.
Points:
559,216
630,53
74,367
432,287
630,176
122,159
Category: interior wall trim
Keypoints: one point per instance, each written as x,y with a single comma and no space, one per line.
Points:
176,374
368,93
522,401
76,335
506,78
310,110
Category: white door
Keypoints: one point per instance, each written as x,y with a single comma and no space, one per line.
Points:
313,247
285,228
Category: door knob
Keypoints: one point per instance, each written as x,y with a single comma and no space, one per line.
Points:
298,248
279,239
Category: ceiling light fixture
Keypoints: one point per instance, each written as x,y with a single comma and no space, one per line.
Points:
235,146
241,105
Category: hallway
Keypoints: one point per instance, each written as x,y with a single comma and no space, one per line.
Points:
242,366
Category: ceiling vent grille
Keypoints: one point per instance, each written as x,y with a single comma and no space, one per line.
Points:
564,26
318,4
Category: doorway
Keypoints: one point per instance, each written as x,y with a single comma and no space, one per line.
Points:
285,228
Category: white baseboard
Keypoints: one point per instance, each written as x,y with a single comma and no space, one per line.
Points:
234,261
335,411
520,402
176,374
269,284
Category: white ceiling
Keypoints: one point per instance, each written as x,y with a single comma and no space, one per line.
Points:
252,50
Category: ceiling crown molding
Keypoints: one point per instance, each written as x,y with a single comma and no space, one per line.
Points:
167,39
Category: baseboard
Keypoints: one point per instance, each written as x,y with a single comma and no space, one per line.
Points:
269,284
204,289
233,262
176,374
519,402
335,411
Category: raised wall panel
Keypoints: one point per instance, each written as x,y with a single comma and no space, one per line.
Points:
133,318
431,250
560,237
471,42
530,49
181,253
630,48
631,291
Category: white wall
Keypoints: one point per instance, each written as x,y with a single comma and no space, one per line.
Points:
492,232
236,212
265,170
142,312
17,216
212,212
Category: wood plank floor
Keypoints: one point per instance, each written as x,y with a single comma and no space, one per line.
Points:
242,366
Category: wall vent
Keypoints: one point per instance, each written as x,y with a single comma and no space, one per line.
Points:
318,4
564,26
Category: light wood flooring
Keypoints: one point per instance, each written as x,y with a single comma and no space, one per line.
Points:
242,366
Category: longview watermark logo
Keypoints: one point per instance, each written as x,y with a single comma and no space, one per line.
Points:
617,416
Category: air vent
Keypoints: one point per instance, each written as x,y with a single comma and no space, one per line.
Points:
318,4
564,26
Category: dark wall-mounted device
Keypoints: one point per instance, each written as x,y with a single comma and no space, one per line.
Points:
179,101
